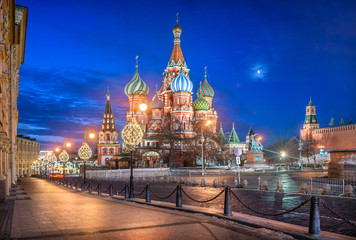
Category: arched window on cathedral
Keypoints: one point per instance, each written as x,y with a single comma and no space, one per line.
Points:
108,137
111,151
105,151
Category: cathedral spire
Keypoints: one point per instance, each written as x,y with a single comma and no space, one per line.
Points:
177,58
310,117
233,138
108,123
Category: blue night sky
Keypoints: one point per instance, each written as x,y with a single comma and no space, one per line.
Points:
264,58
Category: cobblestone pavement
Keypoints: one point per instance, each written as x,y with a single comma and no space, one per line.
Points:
265,201
52,212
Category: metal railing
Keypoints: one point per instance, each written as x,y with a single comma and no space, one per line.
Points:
314,217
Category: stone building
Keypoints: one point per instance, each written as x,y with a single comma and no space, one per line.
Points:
28,150
13,22
339,141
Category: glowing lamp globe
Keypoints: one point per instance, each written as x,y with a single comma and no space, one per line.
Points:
68,144
91,135
84,151
132,134
63,157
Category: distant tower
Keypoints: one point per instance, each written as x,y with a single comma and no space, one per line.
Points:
311,121
108,136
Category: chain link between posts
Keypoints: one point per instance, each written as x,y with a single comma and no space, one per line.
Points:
336,213
141,192
270,214
162,197
209,200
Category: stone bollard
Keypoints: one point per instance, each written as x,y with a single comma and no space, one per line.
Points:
179,196
76,185
182,180
244,183
264,185
99,189
148,194
227,205
225,183
203,183
90,188
215,183
348,190
326,189
236,183
143,179
153,179
304,188
175,180
189,182
168,180
314,218
195,183
279,187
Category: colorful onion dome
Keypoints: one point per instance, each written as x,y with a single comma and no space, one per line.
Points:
205,89
156,103
181,83
136,86
200,104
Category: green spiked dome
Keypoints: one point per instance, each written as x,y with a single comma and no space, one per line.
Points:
233,138
205,89
200,104
136,86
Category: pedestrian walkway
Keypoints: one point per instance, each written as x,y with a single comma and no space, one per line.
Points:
53,212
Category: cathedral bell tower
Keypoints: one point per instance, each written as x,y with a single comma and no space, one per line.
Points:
108,136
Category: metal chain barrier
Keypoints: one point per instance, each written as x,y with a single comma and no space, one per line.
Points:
121,190
162,197
107,190
335,213
209,200
141,192
96,189
270,214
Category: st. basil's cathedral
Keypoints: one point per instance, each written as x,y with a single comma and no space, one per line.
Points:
172,110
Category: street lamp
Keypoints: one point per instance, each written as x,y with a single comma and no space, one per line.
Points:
132,135
84,153
283,154
63,157
202,148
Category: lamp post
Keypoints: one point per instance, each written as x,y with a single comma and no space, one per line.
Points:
84,153
132,135
202,147
63,157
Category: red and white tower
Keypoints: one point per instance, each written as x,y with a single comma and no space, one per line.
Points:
108,136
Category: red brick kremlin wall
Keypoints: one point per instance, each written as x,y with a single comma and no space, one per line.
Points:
335,138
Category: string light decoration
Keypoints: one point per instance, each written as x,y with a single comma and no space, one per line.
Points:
84,151
63,157
132,134
52,158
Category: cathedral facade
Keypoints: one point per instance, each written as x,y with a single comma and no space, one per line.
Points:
174,117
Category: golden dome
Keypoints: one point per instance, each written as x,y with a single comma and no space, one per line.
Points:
177,29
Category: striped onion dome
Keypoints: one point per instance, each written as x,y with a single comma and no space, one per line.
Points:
136,86
156,103
205,89
181,83
200,104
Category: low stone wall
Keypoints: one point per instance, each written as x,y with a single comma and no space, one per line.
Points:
125,173
342,164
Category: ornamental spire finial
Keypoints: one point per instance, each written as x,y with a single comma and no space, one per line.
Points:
177,18
136,63
205,72
108,93
233,125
